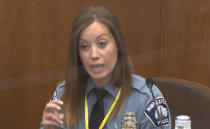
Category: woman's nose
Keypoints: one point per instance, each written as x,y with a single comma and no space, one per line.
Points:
94,52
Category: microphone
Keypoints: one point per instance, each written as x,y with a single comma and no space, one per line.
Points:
149,83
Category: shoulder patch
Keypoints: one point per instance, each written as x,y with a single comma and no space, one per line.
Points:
152,112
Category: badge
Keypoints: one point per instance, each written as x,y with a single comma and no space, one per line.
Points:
129,121
159,114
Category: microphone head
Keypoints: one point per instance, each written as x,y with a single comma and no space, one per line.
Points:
149,82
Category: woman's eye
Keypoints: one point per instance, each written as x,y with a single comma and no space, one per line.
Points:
102,44
84,47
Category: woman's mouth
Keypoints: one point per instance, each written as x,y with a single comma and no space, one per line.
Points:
97,68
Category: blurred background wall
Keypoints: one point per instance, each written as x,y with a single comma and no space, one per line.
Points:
165,38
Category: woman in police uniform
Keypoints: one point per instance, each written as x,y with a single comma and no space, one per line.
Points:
98,64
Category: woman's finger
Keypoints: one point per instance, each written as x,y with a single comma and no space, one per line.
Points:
51,107
57,102
52,119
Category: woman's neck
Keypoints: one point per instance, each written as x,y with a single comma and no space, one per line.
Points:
101,83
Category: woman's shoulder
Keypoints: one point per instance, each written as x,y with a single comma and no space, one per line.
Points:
139,83
144,102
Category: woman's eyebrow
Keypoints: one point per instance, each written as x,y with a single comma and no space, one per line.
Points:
83,40
100,35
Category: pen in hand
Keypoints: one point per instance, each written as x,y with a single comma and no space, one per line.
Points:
115,125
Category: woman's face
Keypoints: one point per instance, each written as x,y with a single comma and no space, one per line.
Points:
98,52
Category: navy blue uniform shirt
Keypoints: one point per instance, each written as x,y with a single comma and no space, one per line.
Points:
139,110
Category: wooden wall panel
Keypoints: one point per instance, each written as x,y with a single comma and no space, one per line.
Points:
185,40
34,36
141,25
33,56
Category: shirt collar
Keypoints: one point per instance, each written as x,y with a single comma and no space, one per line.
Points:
110,88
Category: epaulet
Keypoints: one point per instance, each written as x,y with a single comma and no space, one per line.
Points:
139,83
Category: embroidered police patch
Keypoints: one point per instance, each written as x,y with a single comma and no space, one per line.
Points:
158,115
129,121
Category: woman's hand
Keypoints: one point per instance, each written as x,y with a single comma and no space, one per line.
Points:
51,118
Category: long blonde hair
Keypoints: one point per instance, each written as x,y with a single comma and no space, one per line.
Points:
76,76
